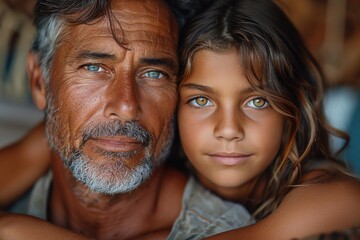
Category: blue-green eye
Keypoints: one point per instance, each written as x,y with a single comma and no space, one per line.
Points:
94,68
258,102
154,74
201,102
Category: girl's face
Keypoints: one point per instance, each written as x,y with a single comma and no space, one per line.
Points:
229,132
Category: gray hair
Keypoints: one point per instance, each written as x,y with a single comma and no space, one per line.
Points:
45,43
51,15
49,18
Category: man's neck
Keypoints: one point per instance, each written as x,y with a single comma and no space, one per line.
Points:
121,216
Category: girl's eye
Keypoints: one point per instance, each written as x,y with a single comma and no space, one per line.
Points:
201,102
154,74
258,103
94,68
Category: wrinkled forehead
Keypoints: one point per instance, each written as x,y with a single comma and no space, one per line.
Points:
149,16
145,23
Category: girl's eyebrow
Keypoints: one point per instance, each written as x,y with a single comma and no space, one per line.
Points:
198,87
213,91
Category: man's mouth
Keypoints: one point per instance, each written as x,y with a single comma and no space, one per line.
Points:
116,144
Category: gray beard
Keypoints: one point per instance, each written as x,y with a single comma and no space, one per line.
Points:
110,177
110,180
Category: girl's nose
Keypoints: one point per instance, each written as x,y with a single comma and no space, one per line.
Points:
228,125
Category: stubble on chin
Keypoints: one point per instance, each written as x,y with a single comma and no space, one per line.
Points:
113,176
107,177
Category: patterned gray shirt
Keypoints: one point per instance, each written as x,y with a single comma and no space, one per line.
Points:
204,214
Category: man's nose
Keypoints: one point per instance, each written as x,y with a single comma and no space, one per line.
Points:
122,99
228,125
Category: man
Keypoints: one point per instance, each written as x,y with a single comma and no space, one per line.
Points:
105,74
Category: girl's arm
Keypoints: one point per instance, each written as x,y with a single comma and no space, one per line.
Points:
18,226
22,163
307,211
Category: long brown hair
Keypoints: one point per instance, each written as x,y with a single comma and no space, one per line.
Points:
278,65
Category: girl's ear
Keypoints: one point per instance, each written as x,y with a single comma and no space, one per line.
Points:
37,81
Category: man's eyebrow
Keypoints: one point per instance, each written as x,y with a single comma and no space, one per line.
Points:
166,62
95,55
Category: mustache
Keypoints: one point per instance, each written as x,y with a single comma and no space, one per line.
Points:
130,129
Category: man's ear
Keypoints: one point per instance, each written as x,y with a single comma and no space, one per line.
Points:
37,81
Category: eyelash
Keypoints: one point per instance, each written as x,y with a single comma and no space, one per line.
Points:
266,103
193,102
164,75
100,68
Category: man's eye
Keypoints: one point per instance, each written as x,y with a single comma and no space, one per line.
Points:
258,103
154,74
201,102
94,68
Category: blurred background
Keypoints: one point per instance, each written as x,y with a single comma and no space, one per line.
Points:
330,29
17,112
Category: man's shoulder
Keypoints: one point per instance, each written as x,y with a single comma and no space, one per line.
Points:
204,214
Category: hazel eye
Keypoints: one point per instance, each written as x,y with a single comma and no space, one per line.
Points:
258,103
201,102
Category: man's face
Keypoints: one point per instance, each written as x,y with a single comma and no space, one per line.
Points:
110,108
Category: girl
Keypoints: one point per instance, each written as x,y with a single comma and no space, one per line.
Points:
251,123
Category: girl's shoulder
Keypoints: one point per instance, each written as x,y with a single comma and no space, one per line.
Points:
335,186
337,190
309,209
323,206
